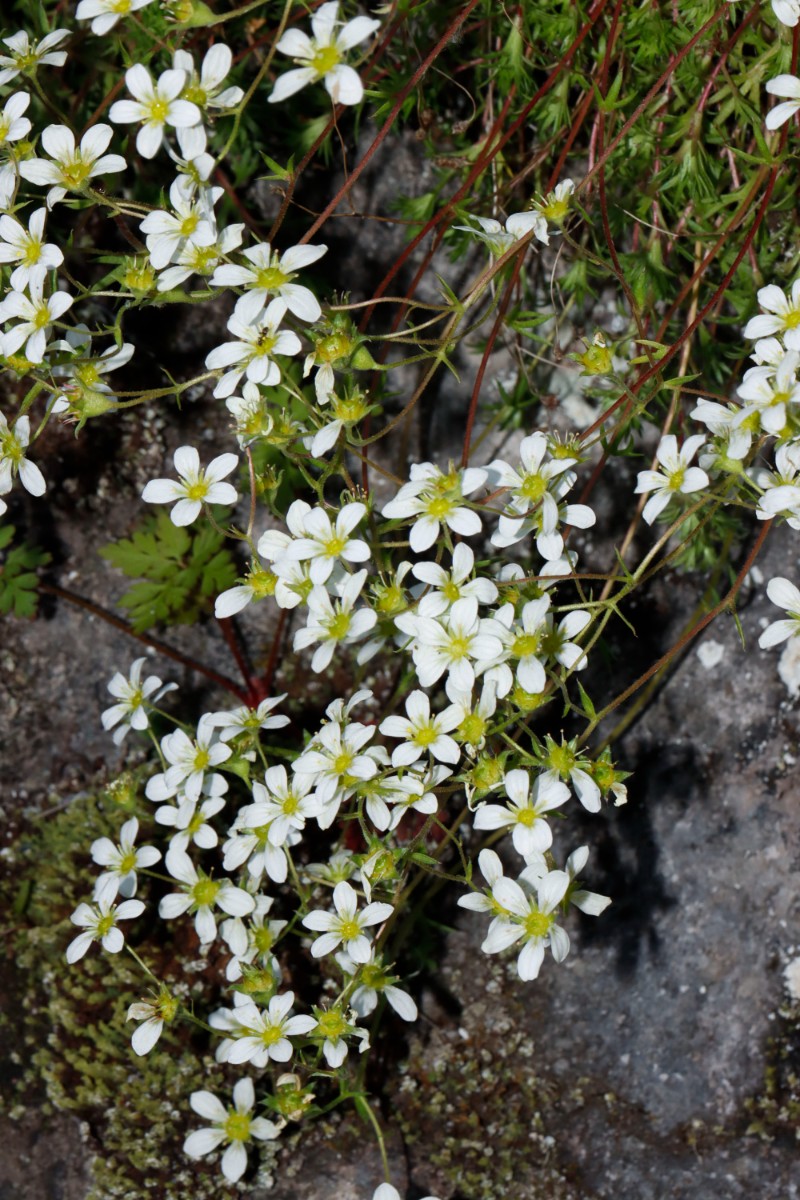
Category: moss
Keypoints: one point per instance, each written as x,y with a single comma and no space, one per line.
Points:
775,1110
482,1112
69,1024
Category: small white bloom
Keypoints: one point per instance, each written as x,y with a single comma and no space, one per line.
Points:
189,761
197,486
435,499
786,595
321,56
27,248
334,622
35,316
251,353
153,1014
104,14
122,862
26,58
234,1126
200,895
346,926
524,815
531,919
154,106
257,1036
13,461
678,478
72,167
99,924
131,694
422,732
782,315
270,274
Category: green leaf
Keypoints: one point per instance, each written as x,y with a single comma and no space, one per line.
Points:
18,579
180,572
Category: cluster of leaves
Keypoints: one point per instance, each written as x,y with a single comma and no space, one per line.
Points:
18,578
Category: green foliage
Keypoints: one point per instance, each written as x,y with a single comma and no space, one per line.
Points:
181,571
18,579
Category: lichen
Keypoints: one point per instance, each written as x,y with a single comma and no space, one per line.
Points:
775,1110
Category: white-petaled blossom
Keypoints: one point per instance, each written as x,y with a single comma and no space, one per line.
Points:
280,806
677,478
529,915
230,1127
26,246
768,389
155,105
346,926
474,717
99,924
786,595
524,816
256,1035
445,587
252,351
270,273
591,903
518,225
35,316
13,460
104,14
333,1029
200,895
70,167
24,57
250,720
375,980
154,1015
323,544
189,761
192,219
523,639
206,91
781,315
320,56
190,820
787,87
197,485
121,861
334,621
434,499
13,125
333,760
781,495
130,711
460,644
422,732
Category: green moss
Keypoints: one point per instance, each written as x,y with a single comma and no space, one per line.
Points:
775,1110
69,1022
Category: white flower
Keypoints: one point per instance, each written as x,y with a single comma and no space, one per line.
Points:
13,444
524,815
445,587
323,544
251,353
200,254
122,861
782,314
189,760
99,924
155,105
786,595
523,641
280,806
257,1036
131,695
200,895
191,822
333,761
104,14
197,486
491,869
321,56
375,980
787,11
13,125
473,719
435,498
334,622
27,58
768,389
72,166
591,903
536,490
153,1014
451,644
422,732
26,247
166,233
272,273
678,477
249,720
232,1125
781,495
206,91
36,317
788,88
529,919
346,926
498,239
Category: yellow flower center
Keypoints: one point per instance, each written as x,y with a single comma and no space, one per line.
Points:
792,319
325,59
533,487
127,862
339,626
157,111
271,278
237,1127
349,929
426,736
332,1025
537,924
525,645
204,892
342,762
197,491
